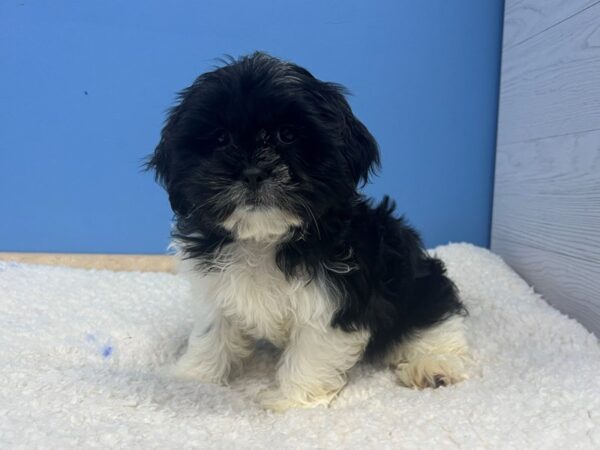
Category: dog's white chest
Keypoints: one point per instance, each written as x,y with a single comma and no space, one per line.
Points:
249,289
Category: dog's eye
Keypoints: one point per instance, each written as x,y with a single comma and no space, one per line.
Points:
286,134
222,137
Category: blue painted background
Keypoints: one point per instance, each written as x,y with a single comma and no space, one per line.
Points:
84,86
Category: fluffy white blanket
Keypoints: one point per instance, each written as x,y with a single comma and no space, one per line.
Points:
81,354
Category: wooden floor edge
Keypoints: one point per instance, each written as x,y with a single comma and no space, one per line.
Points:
126,263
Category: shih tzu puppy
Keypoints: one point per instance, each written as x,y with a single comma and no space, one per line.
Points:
261,162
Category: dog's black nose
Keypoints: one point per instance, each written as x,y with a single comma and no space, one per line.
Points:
253,176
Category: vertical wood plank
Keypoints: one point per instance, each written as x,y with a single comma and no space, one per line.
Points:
551,83
527,18
546,219
546,214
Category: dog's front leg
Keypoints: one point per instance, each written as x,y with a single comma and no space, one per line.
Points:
212,351
312,368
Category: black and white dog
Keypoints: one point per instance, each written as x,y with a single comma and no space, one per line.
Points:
261,162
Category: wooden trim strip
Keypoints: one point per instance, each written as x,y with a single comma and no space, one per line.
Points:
128,263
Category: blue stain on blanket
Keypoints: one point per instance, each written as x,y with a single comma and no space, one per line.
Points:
100,345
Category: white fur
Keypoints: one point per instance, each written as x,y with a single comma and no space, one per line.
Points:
312,369
243,296
260,224
435,356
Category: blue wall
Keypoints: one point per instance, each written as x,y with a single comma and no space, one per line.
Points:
84,86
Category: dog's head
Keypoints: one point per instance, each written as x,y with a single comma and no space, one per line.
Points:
259,146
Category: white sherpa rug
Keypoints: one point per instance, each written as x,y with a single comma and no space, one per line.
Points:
81,353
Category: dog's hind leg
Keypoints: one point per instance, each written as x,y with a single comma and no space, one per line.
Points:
434,356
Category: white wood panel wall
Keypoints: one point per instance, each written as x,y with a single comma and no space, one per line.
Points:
546,217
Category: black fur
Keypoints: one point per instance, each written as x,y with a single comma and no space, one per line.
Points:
233,118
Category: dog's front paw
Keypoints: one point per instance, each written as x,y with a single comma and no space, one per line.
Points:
432,371
278,400
184,370
273,399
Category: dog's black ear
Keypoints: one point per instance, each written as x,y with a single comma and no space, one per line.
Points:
163,162
158,162
359,146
